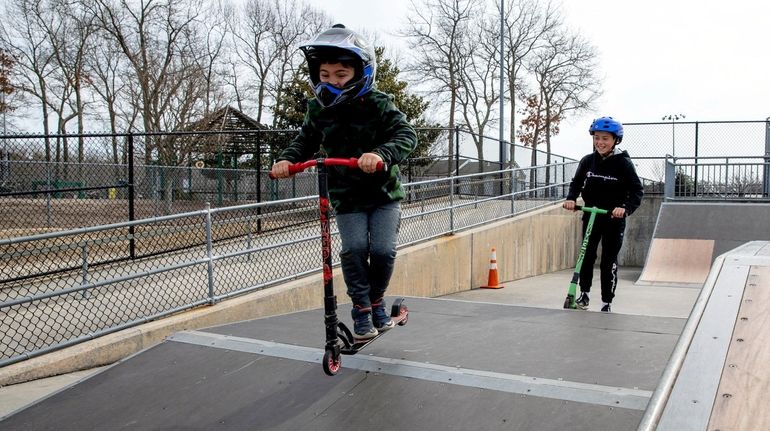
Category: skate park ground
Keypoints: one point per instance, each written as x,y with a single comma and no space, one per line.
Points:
473,355
509,358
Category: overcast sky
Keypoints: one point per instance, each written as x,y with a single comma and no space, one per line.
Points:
707,59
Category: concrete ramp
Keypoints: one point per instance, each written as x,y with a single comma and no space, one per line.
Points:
688,237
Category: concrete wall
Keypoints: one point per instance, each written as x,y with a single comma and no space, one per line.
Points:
535,243
639,229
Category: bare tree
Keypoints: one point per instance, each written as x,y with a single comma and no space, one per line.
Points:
266,42
565,70
160,41
6,88
296,23
218,20
106,68
24,38
436,31
480,75
70,31
254,49
526,23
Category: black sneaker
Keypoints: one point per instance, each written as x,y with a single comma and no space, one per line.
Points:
606,308
582,301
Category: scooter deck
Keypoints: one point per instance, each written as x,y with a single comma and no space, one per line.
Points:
399,313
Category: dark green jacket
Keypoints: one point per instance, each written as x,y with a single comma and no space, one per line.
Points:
368,124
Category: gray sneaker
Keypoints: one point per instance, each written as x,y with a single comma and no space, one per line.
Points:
380,317
362,323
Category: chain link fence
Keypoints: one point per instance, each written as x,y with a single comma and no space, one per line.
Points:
64,182
62,288
92,247
650,143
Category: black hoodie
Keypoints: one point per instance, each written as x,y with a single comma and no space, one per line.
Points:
607,183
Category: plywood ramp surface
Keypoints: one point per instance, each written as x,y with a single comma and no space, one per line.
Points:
685,261
741,401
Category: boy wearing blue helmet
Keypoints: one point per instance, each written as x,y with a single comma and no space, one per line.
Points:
349,118
606,179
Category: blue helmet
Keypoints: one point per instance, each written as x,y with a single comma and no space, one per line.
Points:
607,124
340,45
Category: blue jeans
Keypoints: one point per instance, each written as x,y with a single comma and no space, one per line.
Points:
368,251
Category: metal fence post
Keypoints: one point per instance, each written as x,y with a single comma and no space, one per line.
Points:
766,185
209,253
670,181
695,174
259,179
457,151
457,157
131,196
48,194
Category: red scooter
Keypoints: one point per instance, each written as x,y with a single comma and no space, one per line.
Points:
339,339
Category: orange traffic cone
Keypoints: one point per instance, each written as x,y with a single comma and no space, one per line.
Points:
493,282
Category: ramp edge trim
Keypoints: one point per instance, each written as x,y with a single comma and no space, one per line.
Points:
634,399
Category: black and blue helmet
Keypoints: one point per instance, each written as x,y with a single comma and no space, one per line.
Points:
607,124
340,45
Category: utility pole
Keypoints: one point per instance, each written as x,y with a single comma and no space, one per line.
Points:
503,148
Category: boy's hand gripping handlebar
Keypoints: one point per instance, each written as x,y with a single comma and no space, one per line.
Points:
331,161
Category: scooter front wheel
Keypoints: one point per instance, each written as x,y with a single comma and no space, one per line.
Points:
569,303
332,363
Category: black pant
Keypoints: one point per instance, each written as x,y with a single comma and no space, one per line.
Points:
610,232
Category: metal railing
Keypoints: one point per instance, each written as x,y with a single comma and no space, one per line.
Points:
718,178
62,288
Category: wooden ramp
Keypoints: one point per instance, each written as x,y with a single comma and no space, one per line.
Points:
678,261
688,237
741,399
717,377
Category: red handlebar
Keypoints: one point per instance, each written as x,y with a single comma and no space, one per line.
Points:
331,161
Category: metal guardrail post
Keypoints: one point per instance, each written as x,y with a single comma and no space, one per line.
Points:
248,242
513,191
85,294
451,205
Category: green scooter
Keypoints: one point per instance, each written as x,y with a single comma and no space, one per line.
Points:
572,292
